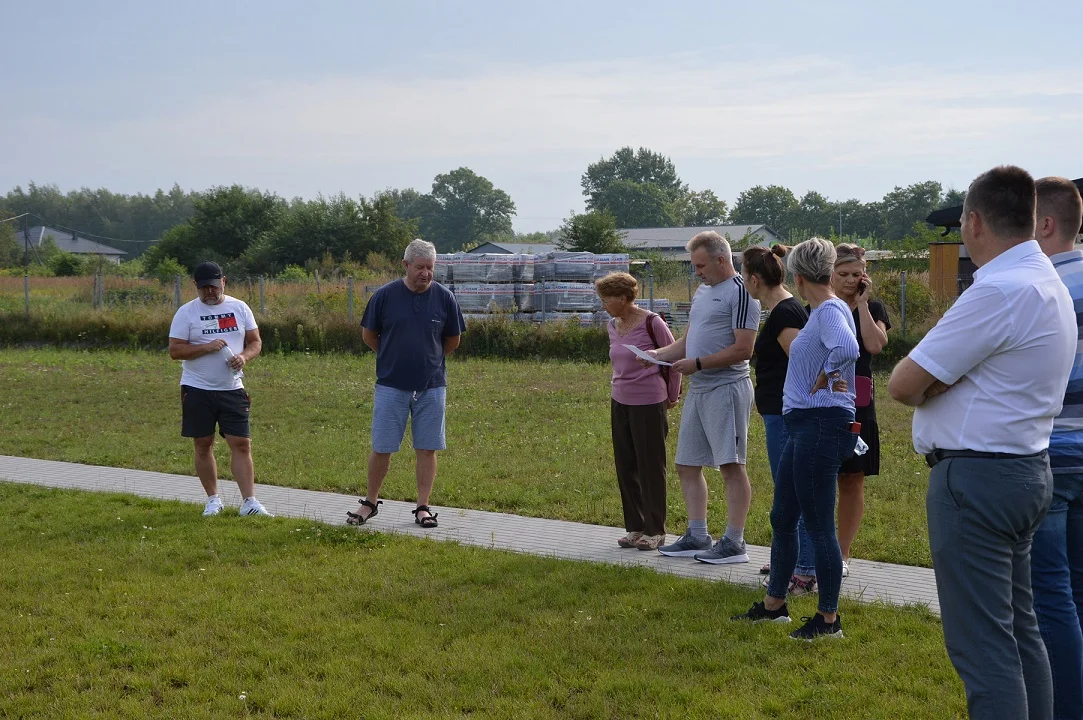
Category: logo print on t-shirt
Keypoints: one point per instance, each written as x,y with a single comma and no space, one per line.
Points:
216,324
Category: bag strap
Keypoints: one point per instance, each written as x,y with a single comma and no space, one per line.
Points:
650,329
663,370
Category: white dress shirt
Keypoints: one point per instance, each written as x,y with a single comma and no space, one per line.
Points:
1007,344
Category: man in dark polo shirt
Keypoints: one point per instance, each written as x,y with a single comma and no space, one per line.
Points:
413,324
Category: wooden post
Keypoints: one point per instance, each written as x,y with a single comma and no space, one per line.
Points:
944,269
349,295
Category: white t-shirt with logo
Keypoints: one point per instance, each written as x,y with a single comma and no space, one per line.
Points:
199,324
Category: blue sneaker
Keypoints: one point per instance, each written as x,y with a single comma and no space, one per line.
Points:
687,545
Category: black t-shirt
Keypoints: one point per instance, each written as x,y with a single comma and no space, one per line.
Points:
864,361
771,360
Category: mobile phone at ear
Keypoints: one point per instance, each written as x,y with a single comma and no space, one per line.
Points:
862,286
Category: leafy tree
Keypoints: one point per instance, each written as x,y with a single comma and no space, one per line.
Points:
952,197
638,166
695,209
814,215
127,222
10,251
902,207
390,232
858,219
594,232
227,221
637,204
773,205
466,208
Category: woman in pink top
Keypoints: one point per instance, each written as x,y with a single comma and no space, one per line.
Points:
641,397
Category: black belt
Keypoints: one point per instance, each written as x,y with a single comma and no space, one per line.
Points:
937,455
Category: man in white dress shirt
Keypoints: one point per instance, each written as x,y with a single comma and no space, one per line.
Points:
987,382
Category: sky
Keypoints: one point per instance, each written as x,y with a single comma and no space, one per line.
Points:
847,98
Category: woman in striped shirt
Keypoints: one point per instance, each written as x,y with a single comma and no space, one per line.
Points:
818,409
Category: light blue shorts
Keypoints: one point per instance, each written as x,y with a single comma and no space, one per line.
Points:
391,408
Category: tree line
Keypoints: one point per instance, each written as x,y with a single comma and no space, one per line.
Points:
254,232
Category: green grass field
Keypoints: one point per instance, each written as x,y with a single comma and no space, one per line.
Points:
524,437
121,607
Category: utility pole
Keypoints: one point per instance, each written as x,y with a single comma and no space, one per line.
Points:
840,222
26,245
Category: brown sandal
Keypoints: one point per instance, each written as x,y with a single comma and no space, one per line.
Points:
358,518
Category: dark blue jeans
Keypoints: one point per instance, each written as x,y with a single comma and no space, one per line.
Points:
806,484
775,428
1056,571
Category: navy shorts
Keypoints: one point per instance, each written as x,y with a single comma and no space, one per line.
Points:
202,410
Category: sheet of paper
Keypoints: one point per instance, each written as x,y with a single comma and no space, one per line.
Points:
641,354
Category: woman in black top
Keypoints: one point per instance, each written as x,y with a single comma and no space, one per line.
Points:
852,285
763,274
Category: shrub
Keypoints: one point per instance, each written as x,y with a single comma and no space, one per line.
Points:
168,268
293,273
65,264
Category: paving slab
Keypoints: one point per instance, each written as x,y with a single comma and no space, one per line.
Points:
868,581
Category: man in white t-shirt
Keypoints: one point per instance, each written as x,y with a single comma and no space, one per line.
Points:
987,382
215,336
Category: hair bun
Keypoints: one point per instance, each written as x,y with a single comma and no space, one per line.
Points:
779,249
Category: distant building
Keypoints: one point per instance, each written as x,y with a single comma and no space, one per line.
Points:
69,243
669,242
504,248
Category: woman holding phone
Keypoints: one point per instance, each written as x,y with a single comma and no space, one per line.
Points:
852,285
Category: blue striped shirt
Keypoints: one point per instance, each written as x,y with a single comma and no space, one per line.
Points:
1066,442
828,343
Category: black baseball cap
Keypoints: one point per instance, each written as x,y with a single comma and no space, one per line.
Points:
208,273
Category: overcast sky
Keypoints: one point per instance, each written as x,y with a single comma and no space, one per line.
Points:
303,98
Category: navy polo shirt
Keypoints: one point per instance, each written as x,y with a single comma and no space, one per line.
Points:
412,327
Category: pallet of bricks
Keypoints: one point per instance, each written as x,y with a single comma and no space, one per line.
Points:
557,286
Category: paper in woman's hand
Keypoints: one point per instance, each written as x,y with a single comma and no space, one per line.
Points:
643,355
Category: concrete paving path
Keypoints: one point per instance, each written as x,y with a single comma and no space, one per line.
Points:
868,581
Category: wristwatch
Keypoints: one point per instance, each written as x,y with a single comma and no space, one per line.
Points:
698,366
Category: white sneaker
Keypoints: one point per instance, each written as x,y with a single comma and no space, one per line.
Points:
252,506
845,569
213,506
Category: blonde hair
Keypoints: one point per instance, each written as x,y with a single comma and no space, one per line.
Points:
848,252
618,284
813,260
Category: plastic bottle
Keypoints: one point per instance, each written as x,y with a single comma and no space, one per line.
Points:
238,374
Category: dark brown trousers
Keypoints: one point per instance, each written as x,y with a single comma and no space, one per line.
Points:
639,450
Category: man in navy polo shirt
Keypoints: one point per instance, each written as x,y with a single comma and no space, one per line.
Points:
412,324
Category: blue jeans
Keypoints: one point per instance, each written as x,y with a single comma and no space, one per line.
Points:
1056,571
806,484
775,428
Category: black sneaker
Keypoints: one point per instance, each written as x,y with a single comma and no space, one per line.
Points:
816,627
759,613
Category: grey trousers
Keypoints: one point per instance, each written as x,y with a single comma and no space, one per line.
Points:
982,516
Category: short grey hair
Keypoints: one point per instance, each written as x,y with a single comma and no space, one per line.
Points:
419,250
715,245
813,260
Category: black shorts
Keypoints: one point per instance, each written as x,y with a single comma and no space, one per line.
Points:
201,410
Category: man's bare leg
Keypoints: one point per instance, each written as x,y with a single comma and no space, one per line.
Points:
240,462
206,467
426,476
